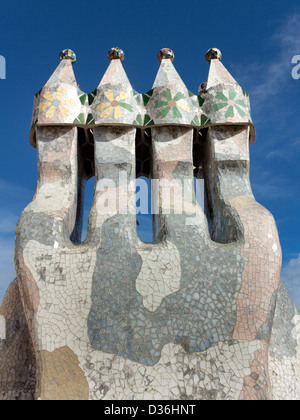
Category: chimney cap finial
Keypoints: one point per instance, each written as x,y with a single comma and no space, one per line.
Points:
116,53
166,53
202,88
213,54
67,55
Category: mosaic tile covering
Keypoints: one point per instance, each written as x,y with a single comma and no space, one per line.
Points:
201,313
166,53
115,102
68,55
58,102
213,54
116,54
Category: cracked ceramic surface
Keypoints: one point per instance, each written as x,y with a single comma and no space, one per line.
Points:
114,102
200,313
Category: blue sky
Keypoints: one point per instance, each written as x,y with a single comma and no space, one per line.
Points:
258,41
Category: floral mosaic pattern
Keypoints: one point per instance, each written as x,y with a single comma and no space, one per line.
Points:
171,104
115,105
230,103
198,314
56,101
227,105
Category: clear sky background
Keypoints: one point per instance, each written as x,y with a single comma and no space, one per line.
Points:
258,40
